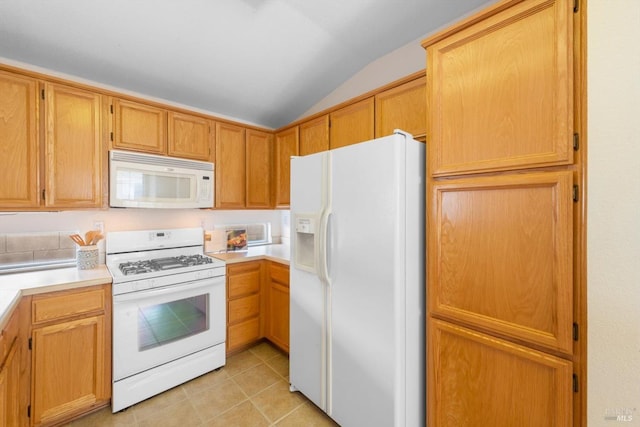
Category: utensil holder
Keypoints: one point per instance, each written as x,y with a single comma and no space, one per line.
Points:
87,257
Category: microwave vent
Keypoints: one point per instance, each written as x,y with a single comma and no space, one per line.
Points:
149,159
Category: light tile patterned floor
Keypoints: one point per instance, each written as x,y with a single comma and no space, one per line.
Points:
252,389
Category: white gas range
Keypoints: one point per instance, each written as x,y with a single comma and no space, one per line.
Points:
169,311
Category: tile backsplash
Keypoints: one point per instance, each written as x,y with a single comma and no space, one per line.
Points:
33,248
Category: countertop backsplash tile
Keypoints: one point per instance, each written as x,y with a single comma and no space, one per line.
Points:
21,249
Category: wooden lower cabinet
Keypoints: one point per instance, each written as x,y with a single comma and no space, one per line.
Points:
10,390
244,299
278,306
479,380
257,304
71,354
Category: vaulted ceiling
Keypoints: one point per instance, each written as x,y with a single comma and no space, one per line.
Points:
261,61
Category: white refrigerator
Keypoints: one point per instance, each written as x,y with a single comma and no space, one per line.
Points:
357,281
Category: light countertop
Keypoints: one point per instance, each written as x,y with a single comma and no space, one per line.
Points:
277,253
14,286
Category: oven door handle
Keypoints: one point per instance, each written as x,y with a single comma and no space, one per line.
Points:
167,290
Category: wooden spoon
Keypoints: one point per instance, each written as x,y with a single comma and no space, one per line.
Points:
88,237
76,238
96,238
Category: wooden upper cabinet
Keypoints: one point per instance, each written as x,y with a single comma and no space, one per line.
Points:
258,167
503,256
478,380
190,136
19,158
403,107
73,147
352,124
230,166
314,135
500,91
140,127
286,145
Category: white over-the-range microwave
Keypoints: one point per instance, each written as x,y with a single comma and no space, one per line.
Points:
148,181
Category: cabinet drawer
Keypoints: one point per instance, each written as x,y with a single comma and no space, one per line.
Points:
243,279
243,333
244,308
279,273
65,304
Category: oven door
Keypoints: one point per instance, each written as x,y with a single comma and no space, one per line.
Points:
157,326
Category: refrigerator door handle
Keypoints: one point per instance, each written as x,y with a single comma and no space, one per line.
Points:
328,246
325,248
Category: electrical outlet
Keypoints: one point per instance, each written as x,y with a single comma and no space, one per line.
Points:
99,225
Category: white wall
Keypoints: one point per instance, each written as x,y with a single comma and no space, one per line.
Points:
613,213
400,63
136,219
403,61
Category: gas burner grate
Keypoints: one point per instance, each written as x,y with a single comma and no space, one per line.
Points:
158,264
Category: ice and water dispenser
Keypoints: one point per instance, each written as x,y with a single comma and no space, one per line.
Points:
306,227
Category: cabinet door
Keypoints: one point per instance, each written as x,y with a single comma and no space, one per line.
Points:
14,368
502,259
314,135
68,369
139,127
501,91
352,124
477,380
230,166
190,136
10,388
286,146
278,324
19,159
403,107
74,148
278,306
258,167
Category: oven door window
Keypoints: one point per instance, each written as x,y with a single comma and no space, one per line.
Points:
171,321
156,326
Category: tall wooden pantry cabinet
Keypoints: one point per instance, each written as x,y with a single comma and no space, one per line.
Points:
505,138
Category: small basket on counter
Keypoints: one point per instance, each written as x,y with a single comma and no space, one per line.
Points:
87,253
